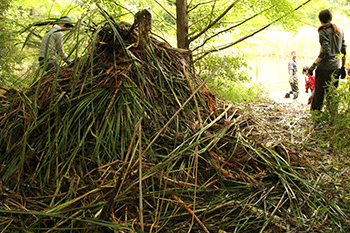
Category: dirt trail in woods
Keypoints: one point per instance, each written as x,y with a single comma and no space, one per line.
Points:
285,119
278,96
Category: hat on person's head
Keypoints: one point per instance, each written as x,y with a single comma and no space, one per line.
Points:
66,21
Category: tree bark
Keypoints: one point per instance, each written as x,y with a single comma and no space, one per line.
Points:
182,24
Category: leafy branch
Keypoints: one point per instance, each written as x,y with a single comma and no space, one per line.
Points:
223,47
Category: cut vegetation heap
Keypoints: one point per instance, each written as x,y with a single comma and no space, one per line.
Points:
128,138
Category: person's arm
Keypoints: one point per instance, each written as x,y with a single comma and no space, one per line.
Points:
325,43
306,83
59,45
325,50
343,58
318,60
343,61
343,51
290,72
314,65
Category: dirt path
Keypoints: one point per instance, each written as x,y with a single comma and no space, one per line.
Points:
283,121
278,96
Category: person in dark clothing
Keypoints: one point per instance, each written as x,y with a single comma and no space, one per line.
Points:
293,77
328,65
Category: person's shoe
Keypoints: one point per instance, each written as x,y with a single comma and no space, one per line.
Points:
309,101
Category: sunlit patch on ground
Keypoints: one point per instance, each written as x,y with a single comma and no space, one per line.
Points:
278,96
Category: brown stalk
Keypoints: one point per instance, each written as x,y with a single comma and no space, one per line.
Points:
191,212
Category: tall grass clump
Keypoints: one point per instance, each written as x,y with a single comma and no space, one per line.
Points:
130,139
332,123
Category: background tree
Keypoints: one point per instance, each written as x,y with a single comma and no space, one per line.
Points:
8,54
240,19
201,27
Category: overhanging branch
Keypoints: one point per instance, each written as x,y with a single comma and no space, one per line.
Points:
230,28
213,22
198,5
164,8
249,35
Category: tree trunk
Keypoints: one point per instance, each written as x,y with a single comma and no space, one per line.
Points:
182,24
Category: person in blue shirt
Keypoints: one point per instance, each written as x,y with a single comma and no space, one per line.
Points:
293,77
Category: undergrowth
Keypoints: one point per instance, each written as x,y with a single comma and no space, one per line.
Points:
238,92
330,139
231,82
332,124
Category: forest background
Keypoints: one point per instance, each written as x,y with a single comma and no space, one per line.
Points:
253,37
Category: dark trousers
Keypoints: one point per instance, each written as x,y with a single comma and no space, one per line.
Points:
47,65
294,87
323,80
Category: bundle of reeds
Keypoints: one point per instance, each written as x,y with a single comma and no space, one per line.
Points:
130,139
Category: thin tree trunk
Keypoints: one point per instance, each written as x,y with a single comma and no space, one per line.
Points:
182,24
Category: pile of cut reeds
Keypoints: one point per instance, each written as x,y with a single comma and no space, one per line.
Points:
130,139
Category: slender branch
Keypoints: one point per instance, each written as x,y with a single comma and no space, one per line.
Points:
213,23
124,172
251,34
198,5
191,212
195,99
163,20
140,176
164,8
230,28
210,17
233,43
212,10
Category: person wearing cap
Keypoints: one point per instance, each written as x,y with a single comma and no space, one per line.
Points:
51,49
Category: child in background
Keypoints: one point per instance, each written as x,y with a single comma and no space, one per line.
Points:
309,83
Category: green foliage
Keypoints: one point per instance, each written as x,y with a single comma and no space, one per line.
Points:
333,123
238,92
4,4
16,61
21,41
244,17
231,82
233,68
11,57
